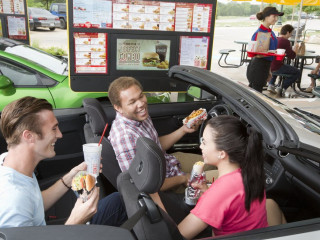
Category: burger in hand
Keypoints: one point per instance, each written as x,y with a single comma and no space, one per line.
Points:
150,59
82,184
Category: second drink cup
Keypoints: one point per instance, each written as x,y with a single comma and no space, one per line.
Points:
92,157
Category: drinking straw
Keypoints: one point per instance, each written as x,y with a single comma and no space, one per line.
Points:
104,130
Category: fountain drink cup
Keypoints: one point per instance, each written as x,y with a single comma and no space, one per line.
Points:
92,157
281,51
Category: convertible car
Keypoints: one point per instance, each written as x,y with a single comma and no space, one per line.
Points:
292,160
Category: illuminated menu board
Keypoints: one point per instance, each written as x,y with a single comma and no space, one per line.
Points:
14,21
90,52
142,15
142,39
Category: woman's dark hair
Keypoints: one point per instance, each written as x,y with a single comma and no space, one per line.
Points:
286,29
243,146
265,13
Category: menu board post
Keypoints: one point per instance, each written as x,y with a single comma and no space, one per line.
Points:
142,39
14,20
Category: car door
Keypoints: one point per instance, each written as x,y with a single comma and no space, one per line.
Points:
27,82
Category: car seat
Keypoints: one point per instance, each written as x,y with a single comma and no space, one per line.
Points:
146,175
93,129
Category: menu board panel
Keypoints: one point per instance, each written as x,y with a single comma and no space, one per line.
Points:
202,14
142,54
142,15
90,52
92,14
17,27
194,51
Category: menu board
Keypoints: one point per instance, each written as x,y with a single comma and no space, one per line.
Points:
92,14
201,18
142,54
194,51
17,27
184,13
90,52
142,15
12,6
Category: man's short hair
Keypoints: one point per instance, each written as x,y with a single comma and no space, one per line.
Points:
118,85
286,28
20,115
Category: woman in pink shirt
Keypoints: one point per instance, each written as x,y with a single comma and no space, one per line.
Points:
236,201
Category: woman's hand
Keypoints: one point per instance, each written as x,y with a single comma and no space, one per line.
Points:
201,186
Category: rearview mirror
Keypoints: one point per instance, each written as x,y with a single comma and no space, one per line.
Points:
6,86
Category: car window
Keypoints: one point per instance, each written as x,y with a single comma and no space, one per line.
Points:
18,75
54,8
42,58
62,8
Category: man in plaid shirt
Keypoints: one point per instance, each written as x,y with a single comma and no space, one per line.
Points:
132,121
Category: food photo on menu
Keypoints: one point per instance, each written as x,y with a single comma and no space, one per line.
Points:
142,54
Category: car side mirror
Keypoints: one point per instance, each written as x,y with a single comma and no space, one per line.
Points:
6,86
199,93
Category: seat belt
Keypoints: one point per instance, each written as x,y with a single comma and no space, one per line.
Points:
147,206
131,222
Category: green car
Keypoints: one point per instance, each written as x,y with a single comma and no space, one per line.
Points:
26,71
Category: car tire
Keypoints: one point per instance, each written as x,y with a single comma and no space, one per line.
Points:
32,27
63,23
52,28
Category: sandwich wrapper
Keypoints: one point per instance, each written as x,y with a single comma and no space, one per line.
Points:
195,117
82,184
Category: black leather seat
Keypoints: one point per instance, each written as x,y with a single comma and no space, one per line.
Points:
93,129
145,176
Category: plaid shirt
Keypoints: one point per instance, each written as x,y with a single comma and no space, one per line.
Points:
123,136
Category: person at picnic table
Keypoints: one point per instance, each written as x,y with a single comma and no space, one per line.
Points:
259,67
315,71
278,66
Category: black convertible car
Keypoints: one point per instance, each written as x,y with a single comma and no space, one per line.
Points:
291,140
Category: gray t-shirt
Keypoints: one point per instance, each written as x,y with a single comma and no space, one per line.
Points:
21,202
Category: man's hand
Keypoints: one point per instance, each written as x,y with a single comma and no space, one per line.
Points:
84,211
194,128
295,48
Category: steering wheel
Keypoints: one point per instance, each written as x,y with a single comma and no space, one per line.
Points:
217,110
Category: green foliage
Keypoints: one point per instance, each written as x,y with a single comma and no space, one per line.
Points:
247,9
43,3
311,9
35,3
56,51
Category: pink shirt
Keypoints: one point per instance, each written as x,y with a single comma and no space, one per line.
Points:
222,206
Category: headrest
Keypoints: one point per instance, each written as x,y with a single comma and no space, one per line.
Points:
148,168
96,114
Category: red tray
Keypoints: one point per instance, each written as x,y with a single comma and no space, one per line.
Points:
278,56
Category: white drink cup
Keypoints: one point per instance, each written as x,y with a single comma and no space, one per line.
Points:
92,157
281,51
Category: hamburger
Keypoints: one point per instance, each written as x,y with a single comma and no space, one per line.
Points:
83,183
150,59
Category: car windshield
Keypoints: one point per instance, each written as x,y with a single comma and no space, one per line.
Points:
307,127
44,59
